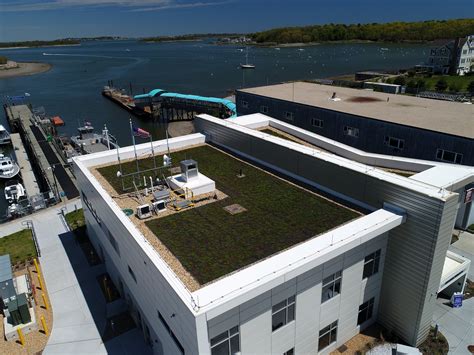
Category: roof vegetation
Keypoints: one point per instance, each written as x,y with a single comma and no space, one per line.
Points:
210,243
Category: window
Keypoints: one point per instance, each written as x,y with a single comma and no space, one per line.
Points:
463,60
365,311
227,343
290,352
351,131
283,313
394,142
130,271
289,115
331,286
371,264
264,109
446,155
245,104
315,122
170,332
464,51
327,336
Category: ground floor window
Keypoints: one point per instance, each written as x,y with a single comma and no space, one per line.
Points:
289,115
366,310
227,343
316,122
327,336
264,109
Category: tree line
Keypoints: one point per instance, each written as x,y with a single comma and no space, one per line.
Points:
56,42
383,32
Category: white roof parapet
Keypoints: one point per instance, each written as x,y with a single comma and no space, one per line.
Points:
421,187
245,284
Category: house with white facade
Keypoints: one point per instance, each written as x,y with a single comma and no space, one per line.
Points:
265,245
465,60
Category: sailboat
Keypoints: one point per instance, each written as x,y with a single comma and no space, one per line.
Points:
247,65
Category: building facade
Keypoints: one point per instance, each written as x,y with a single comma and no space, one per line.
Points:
372,133
465,60
384,266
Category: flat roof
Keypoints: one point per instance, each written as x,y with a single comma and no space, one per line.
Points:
208,241
434,115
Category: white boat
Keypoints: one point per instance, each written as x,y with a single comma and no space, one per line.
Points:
247,65
8,168
13,191
4,136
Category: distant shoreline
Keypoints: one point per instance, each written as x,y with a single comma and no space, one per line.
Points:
25,69
45,46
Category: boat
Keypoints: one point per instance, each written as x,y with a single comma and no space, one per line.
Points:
4,136
88,141
247,65
13,191
8,167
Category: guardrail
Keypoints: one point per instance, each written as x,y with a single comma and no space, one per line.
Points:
29,225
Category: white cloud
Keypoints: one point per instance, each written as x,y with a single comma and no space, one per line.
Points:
133,5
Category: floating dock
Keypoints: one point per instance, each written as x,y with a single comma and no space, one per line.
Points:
125,101
26,170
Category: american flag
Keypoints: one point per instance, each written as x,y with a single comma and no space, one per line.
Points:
138,132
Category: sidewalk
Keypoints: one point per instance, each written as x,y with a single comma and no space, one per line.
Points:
79,309
457,324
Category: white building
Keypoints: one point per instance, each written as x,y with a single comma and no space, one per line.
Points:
385,264
465,61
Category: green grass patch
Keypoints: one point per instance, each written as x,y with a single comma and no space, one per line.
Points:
77,223
210,243
279,135
19,245
470,229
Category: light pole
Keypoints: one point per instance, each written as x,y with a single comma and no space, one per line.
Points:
52,167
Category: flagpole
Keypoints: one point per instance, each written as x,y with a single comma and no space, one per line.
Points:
134,147
153,152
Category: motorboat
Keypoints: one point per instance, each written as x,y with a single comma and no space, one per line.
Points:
13,191
4,136
8,167
247,65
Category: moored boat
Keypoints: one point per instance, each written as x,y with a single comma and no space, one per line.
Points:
8,168
4,136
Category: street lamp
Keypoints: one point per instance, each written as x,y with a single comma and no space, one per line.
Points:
52,167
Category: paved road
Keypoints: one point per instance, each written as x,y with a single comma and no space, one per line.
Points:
79,309
63,178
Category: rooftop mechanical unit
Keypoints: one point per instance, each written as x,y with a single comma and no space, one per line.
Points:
144,211
189,169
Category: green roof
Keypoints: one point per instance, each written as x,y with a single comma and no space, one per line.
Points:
210,242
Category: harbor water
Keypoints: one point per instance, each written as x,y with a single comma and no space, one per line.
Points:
72,88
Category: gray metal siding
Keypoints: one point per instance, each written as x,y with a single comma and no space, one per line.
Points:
419,143
416,249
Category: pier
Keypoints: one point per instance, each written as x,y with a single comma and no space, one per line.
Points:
50,173
26,170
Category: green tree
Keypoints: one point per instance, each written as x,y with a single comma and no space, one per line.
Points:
441,85
412,84
455,87
400,80
3,60
470,87
421,84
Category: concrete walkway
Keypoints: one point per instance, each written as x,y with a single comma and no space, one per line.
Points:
457,324
79,309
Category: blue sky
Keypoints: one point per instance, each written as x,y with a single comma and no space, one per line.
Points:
49,19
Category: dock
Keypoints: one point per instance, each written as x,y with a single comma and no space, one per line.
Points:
26,170
43,159
125,101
